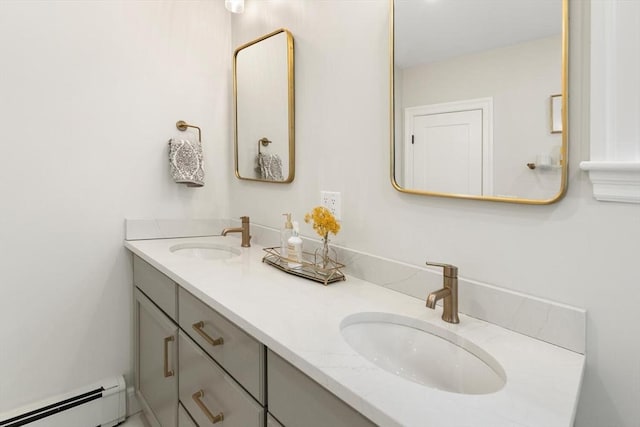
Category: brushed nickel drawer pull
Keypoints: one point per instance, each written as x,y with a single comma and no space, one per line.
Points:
167,372
213,418
198,328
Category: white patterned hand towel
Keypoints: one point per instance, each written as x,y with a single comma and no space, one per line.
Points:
185,158
270,166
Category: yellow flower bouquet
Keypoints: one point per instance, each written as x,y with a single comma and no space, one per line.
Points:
323,223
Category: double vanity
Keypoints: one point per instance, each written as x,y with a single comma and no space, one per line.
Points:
222,337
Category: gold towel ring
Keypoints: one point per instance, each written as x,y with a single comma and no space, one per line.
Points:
264,141
182,125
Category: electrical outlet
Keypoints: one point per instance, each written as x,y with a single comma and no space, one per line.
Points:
331,201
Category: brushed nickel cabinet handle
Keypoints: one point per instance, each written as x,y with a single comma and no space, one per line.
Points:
167,372
213,341
213,418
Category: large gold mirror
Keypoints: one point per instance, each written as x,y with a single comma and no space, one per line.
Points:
263,83
479,99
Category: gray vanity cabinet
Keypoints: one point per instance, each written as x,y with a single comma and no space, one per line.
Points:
156,344
209,379
184,419
232,348
272,422
195,368
298,401
209,394
156,338
158,287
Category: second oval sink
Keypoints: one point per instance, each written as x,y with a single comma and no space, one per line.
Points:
205,250
423,353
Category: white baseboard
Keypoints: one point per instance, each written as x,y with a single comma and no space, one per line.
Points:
133,404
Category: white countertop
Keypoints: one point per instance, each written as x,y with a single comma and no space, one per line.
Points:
300,320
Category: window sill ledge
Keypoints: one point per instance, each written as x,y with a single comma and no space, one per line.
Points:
614,181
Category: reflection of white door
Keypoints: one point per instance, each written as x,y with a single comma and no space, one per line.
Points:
446,153
447,148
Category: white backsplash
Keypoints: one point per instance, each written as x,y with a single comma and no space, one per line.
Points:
558,324
545,320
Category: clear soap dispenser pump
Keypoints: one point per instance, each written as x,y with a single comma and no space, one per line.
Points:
285,233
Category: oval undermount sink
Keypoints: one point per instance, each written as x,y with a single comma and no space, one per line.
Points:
423,353
205,251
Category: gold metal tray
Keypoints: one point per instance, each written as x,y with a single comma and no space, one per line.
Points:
308,270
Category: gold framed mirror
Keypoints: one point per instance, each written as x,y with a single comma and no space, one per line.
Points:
479,99
264,125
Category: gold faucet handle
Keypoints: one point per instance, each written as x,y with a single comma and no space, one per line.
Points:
449,270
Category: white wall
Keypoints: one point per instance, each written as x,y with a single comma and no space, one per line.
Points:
578,251
521,79
90,93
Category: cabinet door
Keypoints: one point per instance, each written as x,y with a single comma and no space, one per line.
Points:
156,338
212,396
298,401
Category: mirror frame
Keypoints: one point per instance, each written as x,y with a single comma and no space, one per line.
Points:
564,149
291,106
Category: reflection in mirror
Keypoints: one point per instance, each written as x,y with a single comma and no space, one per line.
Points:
264,109
476,101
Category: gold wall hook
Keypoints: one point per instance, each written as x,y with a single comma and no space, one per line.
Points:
182,126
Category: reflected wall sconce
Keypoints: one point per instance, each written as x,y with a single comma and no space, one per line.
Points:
234,6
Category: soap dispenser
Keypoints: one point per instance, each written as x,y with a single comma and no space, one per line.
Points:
294,248
285,233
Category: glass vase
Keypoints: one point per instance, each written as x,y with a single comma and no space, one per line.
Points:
322,255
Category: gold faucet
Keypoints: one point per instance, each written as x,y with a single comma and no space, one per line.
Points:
449,294
246,236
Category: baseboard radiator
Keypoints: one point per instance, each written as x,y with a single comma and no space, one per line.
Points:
103,404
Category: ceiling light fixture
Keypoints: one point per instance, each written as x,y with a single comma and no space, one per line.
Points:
235,6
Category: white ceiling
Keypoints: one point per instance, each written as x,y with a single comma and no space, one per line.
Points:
432,30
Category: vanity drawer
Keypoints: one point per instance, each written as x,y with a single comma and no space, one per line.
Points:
205,387
298,401
235,350
158,287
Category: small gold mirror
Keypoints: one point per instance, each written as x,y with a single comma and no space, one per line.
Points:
478,99
263,86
